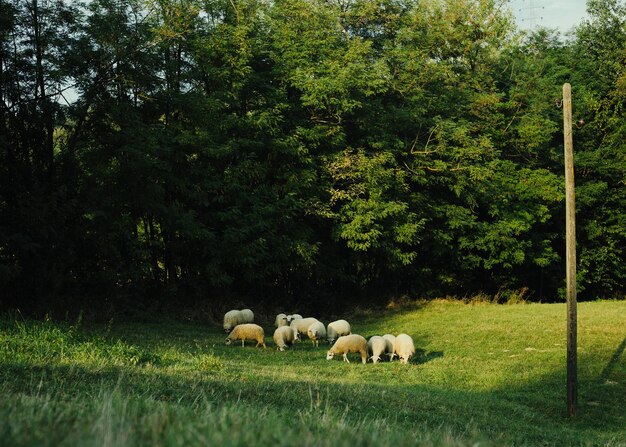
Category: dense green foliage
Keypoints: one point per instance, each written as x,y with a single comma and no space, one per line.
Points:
171,384
312,151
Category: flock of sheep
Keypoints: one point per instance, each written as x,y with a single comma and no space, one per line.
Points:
239,324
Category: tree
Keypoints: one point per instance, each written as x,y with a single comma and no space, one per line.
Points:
36,204
600,148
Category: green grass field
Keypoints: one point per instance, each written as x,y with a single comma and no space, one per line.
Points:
484,374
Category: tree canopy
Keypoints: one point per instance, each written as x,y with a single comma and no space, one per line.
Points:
327,151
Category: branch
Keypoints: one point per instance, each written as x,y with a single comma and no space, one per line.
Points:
425,151
514,116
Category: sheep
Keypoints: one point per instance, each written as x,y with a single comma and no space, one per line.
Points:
390,340
404,347
292,317
376,347
283,336
231,319
247,331
301,325
336,329
316,332
248,316
349,343
281,320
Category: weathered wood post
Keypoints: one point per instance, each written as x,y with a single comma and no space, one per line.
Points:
570,253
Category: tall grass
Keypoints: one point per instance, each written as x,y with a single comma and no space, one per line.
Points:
483,374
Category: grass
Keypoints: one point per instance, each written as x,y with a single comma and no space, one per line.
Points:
483,374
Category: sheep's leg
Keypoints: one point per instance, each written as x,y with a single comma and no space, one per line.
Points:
242,341
345,358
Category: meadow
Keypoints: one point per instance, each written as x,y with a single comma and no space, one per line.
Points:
484,374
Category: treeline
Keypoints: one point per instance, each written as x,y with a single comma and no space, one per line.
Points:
327,151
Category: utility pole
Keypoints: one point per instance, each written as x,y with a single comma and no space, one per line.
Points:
530,13
570,253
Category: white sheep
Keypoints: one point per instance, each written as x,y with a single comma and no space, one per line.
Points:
404,347
316,332
376,347
390,340
336,329
283,336
231,319
281,320
248,316
349,343
292,317
247,331
301,325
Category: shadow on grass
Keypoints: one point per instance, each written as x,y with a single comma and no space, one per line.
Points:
372,315
606,372
422,356
494,412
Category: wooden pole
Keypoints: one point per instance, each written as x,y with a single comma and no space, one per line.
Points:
570,253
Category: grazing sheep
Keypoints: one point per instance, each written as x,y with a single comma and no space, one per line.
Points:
247,331
283,336
404,347
292,317
349,343
248,316
316,332
390,340
301,325
231,319
281,320
376,347
336,329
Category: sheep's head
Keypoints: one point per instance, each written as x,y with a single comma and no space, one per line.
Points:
228,341
330,355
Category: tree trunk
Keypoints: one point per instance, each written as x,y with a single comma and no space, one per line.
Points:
47,118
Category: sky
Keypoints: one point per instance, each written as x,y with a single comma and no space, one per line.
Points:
560,14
